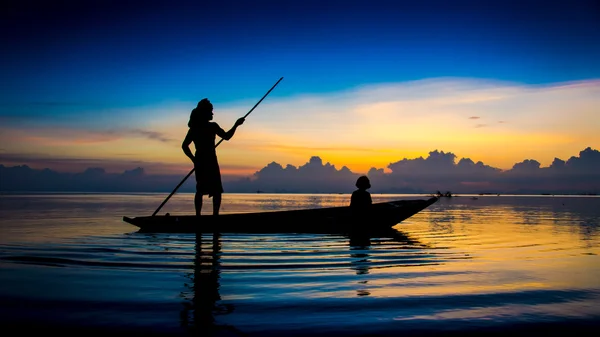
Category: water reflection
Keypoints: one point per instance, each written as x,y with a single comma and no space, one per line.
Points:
514,214
363,257
359,255
202,299
501,259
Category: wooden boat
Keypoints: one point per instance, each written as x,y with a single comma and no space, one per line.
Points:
329,220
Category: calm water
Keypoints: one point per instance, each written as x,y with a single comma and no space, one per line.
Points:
505,263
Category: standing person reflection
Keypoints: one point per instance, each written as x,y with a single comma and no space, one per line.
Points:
204,288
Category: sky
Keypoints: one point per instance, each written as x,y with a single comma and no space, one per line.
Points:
110,84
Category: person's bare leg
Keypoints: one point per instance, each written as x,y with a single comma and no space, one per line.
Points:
198,203
216,203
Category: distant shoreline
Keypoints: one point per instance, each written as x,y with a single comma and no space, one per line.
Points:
454,195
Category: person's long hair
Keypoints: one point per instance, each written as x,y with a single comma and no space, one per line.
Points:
200,113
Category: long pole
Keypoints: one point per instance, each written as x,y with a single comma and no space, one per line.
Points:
192,171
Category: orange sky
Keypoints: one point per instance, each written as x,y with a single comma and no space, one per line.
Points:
498,123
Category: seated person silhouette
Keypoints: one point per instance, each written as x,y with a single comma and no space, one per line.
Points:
360,201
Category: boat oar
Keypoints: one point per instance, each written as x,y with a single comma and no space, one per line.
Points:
192,171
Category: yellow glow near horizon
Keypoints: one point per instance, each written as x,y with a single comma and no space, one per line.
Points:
495,248
496,123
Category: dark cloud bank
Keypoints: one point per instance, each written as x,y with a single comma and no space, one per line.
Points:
438,171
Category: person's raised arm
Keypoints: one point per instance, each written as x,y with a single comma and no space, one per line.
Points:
186,145
227,135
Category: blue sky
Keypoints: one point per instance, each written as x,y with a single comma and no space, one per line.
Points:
98,72
135,52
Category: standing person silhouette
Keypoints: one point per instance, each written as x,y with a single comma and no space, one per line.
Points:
202,132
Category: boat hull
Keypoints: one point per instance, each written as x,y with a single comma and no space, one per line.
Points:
320,220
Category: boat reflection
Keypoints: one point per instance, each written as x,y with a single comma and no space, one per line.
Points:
202,297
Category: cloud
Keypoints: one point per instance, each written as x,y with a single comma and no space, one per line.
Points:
153,135
67,164
362,127
314,176
425,114
44,136
439,170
